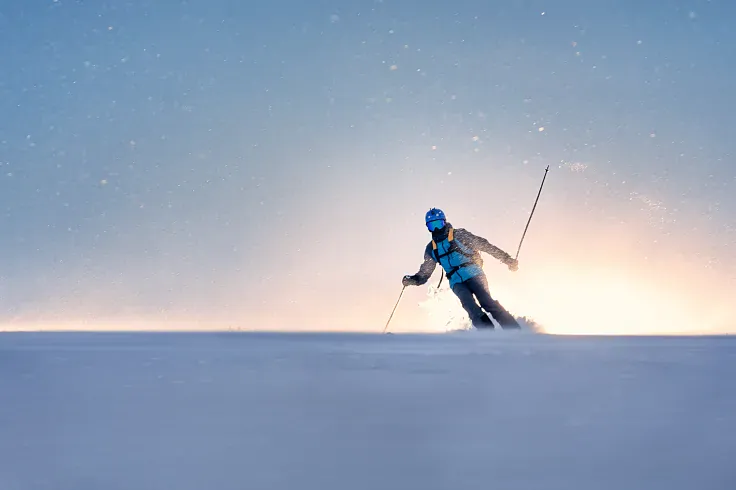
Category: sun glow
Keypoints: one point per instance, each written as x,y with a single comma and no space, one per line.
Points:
595,301
607,302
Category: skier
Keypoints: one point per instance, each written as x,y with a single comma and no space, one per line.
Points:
458,252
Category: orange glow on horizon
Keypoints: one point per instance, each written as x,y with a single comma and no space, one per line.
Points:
610,302
634,297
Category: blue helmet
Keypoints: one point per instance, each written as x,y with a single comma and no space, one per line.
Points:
435,219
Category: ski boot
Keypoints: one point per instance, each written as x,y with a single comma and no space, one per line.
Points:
484,322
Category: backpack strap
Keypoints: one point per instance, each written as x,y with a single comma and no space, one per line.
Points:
450,238
450,249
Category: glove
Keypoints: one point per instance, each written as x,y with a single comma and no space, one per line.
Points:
513,264
407,281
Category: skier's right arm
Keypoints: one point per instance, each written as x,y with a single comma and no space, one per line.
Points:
425,270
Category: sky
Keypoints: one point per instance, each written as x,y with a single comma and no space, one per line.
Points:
267,165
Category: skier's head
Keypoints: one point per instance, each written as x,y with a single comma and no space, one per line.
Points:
435,219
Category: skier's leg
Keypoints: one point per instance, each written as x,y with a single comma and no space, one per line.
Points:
478,285
476,314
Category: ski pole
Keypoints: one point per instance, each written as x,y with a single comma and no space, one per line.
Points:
392,313
532,213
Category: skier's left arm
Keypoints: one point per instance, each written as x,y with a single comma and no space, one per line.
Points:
425,270
481,244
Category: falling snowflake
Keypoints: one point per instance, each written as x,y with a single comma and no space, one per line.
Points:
575,166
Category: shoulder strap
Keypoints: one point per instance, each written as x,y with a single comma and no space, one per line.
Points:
450,238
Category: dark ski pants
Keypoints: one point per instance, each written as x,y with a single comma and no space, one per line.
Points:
477,288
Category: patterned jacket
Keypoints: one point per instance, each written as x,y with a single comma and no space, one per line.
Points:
458,252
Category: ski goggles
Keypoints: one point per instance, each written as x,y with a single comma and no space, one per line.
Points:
435,224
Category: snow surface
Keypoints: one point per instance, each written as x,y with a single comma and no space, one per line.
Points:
490,410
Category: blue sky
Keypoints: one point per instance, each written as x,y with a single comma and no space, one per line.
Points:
269,164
